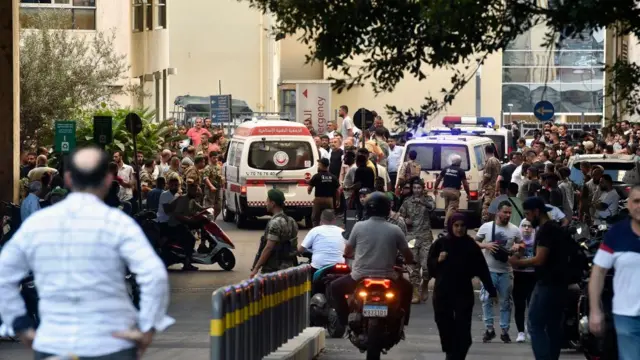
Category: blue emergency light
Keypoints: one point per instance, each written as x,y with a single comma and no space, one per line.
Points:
484,121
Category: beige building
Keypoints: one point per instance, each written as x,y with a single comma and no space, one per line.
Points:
227,43
141,34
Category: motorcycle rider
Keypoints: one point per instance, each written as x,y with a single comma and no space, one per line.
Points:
375,243
279,243
416,213
180,210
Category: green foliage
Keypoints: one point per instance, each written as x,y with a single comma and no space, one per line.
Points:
63,73
153,138
398,38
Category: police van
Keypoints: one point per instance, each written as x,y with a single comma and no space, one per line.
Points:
478,126
264,155
434,153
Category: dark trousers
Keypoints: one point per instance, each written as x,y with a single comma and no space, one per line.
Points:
319,205
546,317
183,235
393,176
453,318
523,284
346,286
129,354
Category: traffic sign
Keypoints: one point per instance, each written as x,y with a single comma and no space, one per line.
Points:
133,123
65,136
220,108
543,110
102,130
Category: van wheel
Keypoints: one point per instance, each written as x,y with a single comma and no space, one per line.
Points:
227,215
240,220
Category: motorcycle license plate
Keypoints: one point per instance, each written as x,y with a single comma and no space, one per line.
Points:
375,310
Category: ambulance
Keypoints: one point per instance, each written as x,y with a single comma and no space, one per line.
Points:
434,153
264,155
478,126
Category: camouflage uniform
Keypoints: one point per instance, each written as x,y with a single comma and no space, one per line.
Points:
284,231
491,172
214,174
146,178
223,145
417,209
398,220
192,175
171,174
408,170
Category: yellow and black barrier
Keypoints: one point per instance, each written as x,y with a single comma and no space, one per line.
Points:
252,319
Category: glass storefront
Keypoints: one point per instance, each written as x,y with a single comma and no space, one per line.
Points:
570,76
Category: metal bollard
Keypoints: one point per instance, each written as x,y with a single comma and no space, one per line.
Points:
246,317
280,292
217,328
307,295
237,316
272,318
286,297
228,315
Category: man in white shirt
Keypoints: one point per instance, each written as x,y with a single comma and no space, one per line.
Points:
518,177
325,242
348,128
607,204
331,129
395,159
165,159
126,173
85,310
165,199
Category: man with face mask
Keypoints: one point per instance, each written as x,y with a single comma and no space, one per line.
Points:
607,204
551,262
416,210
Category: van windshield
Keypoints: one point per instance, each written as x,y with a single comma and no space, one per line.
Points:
436,156
280,155
617,170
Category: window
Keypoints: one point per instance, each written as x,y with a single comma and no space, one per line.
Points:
436,156
231,154
617,171
288,102
73,14
149,15
138,15
162,13
479,151
238,155
280,155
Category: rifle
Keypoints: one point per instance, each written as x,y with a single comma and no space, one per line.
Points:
263,243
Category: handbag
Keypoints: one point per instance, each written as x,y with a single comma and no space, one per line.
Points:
501,254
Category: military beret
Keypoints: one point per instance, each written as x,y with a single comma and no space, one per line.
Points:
277,196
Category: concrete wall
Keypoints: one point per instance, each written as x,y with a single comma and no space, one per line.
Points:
220,40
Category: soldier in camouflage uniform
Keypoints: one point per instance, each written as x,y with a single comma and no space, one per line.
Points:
212,178
409,169
394,217
416,211
192,173
279,243
492,170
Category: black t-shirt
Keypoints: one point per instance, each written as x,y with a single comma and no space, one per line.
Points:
325,184
365,176
551,236
335,162
507,172
452,177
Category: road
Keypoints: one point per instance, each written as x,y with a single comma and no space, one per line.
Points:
190,305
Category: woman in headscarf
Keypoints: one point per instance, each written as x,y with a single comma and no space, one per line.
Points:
454,260
524,279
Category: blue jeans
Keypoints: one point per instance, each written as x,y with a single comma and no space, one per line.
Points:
504,284
628,333
546,317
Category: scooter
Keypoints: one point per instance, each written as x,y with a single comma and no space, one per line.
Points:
321,313
172,252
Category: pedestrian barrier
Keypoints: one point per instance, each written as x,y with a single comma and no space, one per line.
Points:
255,317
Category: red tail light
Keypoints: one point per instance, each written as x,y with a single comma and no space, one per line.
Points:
243,190
385,282
303,183
342,267
473,195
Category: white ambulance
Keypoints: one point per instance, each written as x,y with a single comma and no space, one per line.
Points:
264,155
433,153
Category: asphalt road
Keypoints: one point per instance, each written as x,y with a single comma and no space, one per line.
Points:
190,305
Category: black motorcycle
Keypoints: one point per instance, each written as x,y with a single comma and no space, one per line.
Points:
376,318
321,312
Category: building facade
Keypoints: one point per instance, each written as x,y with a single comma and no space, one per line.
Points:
141,34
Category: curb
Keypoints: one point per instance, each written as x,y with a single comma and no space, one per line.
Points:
307,345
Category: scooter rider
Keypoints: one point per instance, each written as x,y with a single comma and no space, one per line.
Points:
180,222
375,243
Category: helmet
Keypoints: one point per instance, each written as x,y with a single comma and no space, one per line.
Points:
378,204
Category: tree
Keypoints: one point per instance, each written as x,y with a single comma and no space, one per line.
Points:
401,37
63,73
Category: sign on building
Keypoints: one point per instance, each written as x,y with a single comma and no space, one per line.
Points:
220,112
313,102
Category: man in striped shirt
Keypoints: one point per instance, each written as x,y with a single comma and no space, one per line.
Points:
79,250
620,251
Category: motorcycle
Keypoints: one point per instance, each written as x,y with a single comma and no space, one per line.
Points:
321,313
376,319
172,252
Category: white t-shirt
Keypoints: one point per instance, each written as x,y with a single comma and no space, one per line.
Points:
165,198
517,176
555,213
326,244
126,173
347,124
382,172
506,236
324,154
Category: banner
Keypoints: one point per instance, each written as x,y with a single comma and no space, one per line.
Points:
313,102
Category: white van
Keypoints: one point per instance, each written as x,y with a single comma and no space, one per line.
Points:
267,154
433,155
